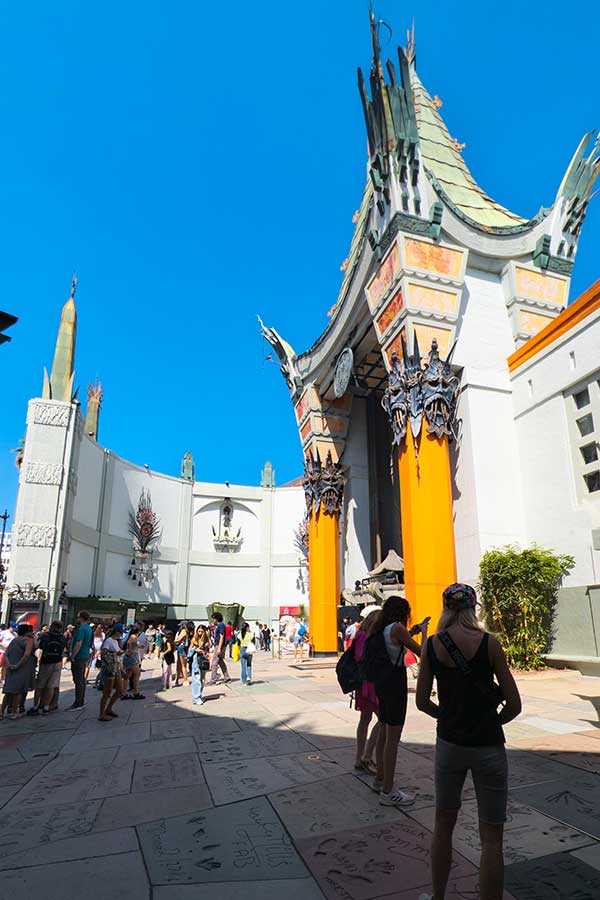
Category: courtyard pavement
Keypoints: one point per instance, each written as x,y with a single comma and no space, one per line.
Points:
254,795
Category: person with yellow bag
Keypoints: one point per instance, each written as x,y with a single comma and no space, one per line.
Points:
235,649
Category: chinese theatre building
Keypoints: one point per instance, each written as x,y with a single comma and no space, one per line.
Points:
452,404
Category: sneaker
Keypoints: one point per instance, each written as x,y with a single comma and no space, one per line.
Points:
396,798
249,681
226,680
376,786
74,707
198,702
34,711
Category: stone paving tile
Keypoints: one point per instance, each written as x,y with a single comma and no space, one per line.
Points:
44,744
527,833
328,806
23,829
466,888
118,812
291,889
553,726
75,778
244,842
22,772
253,743
370,862
200,728
9,756
574,800
526,768
156,749
240,780
570,749
121,840
112,736
81,880
589,855
560,876
166,773
7,792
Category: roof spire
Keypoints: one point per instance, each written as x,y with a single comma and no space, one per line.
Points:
60,384
94,397
409,50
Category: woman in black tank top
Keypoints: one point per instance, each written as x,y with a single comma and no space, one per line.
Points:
465,661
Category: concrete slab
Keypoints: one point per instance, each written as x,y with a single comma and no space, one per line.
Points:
371,862
22,829
570,749
199,727
156,749
525,767
22,772
44,744
73,881
122,811
7,792
527,834
553,726
121,840
458,889
166,773
574,801
252,743
10,756
72,779
291,889
244,842
560,876
112,736
234,781
328,806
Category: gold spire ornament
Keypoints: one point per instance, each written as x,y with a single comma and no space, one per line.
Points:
60,384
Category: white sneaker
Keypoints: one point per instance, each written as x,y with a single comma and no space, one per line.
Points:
396,798
249,681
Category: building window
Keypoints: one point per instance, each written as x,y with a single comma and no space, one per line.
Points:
583,413
586,425
593,481
582,398
589,453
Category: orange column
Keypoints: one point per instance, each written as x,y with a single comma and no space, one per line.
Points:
323,579
427,524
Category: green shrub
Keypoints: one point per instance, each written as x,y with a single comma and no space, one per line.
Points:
518,591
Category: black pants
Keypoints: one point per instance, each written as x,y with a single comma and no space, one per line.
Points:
78,667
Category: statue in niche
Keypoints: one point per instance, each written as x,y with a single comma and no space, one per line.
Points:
227,540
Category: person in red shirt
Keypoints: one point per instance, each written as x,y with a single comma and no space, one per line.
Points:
229,638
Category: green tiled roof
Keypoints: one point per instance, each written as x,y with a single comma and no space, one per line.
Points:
444,161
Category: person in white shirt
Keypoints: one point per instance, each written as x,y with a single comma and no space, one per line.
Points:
110,655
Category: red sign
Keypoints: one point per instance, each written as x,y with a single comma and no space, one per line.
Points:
289,611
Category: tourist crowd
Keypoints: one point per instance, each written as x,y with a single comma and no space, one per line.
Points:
113,656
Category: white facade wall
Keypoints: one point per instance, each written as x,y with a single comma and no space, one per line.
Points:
356,541
557,515
85,519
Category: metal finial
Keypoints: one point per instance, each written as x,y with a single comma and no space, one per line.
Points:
73,285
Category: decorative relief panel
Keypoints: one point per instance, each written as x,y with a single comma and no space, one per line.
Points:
384,277
389,314
433,258
43,473
49,414
536,286
35,534
433,300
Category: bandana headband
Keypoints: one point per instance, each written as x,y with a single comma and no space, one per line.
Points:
460,596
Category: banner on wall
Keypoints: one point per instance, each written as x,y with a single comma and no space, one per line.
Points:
289,611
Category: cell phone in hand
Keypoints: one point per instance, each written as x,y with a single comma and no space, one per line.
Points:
425,622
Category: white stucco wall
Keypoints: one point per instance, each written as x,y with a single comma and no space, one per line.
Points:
88,509
488,503
356,540
556,515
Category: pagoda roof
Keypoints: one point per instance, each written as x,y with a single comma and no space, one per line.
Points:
445,165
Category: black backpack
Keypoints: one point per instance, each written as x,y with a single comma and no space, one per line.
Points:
347,671
52,645
376,665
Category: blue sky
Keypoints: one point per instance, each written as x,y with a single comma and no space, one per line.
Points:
198,163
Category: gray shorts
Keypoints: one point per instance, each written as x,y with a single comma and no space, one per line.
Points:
489,768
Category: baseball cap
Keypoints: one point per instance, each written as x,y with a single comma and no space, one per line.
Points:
12,625
118,627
